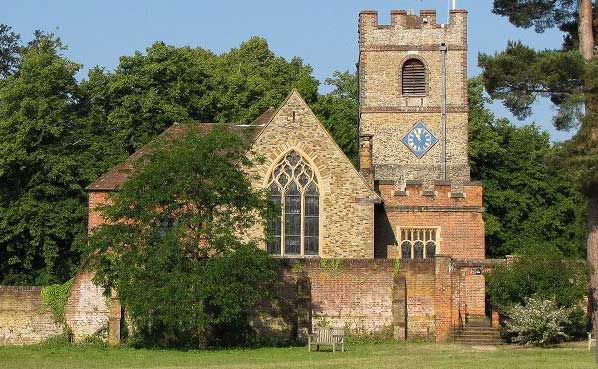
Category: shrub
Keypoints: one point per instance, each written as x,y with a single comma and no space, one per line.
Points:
538,322
538,272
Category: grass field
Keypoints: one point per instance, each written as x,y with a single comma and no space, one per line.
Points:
381,356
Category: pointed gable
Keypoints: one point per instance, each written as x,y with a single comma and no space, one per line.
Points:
347,201
303,129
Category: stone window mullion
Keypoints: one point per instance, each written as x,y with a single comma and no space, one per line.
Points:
422,241
299,221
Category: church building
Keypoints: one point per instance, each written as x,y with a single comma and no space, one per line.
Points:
404,230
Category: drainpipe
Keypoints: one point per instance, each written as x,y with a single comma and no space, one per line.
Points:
443,49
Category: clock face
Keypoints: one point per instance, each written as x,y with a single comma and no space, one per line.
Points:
419,139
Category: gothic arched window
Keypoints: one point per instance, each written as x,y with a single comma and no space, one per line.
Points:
294,186
413,78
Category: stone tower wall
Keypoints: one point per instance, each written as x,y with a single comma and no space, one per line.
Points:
388,115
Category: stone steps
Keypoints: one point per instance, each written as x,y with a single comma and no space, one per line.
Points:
478,333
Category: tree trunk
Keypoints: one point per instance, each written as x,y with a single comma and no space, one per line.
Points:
586,35
586,49
593,257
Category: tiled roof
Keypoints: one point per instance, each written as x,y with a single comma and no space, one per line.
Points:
115,177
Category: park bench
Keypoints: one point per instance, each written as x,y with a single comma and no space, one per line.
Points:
590,341
327,337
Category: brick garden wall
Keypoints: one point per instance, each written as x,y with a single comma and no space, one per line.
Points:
23,320
361,295
358,295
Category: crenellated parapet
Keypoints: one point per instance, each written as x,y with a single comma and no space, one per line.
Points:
404,29
414,195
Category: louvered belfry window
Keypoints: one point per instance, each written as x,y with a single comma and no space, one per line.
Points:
414,78
294,186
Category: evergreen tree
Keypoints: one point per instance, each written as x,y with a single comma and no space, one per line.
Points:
528,203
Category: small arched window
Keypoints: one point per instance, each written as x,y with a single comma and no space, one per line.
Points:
413,78
293,185
419,243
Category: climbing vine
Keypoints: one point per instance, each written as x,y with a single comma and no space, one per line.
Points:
297,267
396,267
332,266
54,297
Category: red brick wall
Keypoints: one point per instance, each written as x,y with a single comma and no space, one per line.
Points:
95,218
23,319
357,294
421,286
472,292
462,231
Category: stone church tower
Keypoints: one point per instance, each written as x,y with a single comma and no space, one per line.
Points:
413,125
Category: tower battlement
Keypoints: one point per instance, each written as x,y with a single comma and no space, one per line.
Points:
404,27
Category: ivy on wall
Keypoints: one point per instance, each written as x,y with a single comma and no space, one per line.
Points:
54,297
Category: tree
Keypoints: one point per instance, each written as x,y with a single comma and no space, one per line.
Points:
9,50
178,248
254,79
148,92
537,322
527,201
568,77
531,276
42,199
338,111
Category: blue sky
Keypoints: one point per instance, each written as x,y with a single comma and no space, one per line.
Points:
323,33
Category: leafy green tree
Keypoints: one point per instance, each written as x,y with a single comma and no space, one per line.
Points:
177,247
254,79
527,201
42,199
338,111
148,92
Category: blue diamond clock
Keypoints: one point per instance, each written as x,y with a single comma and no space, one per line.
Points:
419,139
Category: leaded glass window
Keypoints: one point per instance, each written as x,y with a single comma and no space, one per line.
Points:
419,243
294,186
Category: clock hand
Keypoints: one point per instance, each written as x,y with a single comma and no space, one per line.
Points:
418,134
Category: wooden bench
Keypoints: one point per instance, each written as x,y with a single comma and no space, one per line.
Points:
590,341
327,337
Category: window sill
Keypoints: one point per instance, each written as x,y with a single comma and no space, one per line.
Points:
295,256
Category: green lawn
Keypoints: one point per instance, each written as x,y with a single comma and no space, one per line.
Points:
396,356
